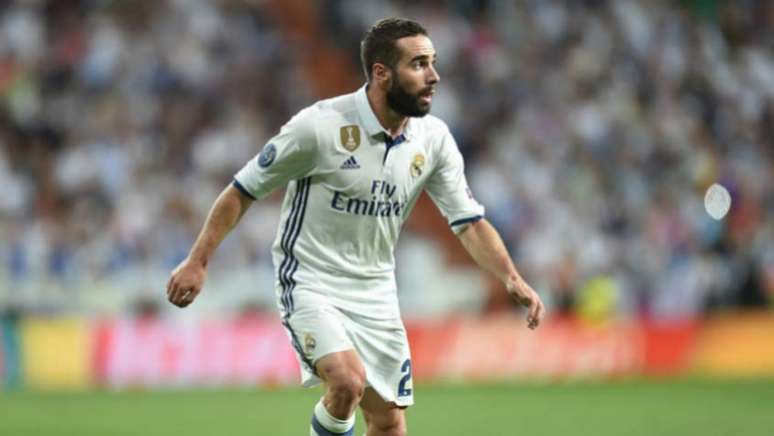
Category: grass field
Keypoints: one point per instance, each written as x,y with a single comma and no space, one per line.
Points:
623,408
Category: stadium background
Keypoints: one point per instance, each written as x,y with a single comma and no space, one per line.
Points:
591,130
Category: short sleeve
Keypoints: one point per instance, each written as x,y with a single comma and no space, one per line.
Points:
292,154
449,189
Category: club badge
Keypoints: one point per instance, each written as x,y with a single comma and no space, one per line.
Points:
309,343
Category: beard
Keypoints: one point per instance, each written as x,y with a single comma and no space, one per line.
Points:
405,103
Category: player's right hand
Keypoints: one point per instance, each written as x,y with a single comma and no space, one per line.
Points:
185,282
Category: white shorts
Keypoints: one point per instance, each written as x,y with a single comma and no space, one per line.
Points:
317,328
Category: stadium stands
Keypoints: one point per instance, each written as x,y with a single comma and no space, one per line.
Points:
590,129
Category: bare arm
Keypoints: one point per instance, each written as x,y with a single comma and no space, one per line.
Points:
187,280
486,247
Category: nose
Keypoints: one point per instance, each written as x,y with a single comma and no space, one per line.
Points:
434,77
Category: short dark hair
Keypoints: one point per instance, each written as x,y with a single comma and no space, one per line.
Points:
378,44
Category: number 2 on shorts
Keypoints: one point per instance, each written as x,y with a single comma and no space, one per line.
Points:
406,369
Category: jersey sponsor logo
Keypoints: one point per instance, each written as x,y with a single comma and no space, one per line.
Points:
417,165
350,164
381,204
267,155
350,137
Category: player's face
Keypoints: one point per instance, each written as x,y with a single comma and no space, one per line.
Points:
414,78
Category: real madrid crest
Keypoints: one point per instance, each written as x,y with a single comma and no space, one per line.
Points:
350,137
418,165
309,343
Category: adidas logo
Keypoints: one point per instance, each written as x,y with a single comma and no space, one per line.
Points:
350,164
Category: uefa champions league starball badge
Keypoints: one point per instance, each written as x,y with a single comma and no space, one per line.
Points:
717,201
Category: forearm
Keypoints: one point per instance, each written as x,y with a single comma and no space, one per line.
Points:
485,246
223,216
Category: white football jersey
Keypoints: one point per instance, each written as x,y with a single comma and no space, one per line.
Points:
350,189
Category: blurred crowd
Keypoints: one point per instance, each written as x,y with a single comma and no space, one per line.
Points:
591,130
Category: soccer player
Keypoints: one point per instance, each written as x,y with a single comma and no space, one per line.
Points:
354,166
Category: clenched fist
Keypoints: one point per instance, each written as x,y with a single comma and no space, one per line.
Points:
185,282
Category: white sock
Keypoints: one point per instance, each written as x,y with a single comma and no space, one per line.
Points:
323,424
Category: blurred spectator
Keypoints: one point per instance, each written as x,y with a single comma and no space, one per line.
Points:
595,129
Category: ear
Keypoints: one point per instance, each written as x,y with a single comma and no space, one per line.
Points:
381,74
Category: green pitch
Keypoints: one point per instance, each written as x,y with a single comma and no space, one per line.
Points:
624,408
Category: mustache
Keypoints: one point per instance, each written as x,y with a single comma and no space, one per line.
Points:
427,91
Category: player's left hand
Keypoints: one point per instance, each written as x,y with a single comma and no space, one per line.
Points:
527,297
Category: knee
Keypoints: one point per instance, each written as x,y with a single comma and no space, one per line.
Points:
349,387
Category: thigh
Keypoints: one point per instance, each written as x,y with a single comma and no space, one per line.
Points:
340,367
381,415
384,350
316,330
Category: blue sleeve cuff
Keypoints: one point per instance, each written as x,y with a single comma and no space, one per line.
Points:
242,189
466,220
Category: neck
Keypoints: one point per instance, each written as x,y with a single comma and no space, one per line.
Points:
392,121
